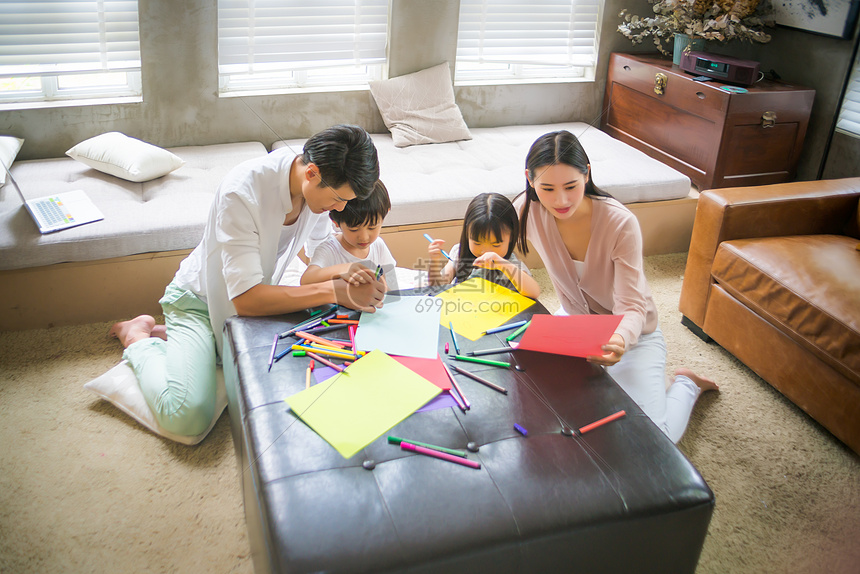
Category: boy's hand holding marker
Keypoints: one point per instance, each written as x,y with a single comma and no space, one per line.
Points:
358,274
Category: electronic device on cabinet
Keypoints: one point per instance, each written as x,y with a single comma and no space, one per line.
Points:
722,68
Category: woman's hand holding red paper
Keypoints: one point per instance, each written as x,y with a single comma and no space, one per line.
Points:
614,351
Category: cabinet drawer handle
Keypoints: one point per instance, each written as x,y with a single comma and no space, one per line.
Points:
768,119
700,95
660,81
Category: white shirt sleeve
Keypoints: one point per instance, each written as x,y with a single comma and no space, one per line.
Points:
327,253
236,233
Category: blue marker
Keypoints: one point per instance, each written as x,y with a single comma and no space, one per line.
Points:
454,337
520,430
430,239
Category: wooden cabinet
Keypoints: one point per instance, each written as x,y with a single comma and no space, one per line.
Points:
714,135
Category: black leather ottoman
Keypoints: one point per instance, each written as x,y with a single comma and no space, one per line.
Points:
620,498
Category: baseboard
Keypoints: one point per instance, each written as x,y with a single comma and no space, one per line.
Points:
86,292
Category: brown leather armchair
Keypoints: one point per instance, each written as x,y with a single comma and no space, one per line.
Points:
773,276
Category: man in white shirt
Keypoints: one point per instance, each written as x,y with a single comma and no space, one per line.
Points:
264,212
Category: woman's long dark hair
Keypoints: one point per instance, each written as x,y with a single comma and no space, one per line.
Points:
550,149
486,217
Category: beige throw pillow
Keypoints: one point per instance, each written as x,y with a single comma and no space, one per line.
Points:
419,108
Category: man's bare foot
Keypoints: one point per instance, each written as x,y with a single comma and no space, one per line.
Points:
703,383
134,330
159,331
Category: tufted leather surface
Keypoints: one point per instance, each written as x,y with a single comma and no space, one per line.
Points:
814,299
621,497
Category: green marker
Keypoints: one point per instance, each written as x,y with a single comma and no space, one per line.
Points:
395,440
518,332
481,361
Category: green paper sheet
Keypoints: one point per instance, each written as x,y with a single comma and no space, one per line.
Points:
476,305
351,411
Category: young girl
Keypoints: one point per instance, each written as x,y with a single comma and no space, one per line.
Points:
592,248
486,249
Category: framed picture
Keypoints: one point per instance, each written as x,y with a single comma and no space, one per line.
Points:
825,17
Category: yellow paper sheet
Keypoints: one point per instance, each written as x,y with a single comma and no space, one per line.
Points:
351,411
476,305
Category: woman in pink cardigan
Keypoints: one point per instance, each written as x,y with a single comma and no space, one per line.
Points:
592,248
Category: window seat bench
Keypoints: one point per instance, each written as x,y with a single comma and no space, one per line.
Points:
118,267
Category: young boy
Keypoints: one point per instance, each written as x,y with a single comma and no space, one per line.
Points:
353,253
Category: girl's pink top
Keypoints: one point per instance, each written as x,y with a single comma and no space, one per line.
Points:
613,278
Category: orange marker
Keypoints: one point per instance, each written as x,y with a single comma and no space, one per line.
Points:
343,322
602,422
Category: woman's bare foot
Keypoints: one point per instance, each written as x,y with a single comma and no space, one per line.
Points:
134,330
159,331
703,383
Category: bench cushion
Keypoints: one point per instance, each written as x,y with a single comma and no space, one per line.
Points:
165,214
436,182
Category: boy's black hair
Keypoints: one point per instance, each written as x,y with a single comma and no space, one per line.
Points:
486,217
344,154
369,211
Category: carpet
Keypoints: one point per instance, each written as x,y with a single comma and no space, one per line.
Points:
84,488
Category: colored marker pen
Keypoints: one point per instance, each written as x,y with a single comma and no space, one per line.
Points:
454,337
507,327
481,361
430,239
602,422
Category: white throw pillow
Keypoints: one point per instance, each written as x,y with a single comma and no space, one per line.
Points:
119,386
128,158
419,108
9,148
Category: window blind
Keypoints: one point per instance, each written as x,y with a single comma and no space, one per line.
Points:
67,37
274,36
539,32
849,115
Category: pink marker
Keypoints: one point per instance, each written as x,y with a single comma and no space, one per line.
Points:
446,348
437,454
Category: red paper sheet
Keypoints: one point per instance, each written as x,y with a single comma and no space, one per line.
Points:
431,369
573,335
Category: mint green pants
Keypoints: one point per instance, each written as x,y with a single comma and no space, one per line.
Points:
177,376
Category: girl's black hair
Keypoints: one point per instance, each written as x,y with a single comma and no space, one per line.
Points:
550,149
486,217
369,211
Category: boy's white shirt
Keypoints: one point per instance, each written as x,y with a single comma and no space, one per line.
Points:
331,252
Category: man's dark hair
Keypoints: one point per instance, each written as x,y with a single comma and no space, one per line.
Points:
344,154
369,210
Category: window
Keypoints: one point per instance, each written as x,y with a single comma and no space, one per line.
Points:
70,50
272,45
849,117
523,41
